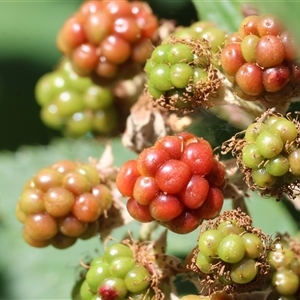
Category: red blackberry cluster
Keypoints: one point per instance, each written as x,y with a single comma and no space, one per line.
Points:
108,37
75,105
260,59
177,182
61,203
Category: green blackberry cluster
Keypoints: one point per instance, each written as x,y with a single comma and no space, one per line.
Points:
181,74
204,30
269,154
116,276
62,203
285,264
75,105
231,253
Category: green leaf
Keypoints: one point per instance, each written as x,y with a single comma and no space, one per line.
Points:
226,14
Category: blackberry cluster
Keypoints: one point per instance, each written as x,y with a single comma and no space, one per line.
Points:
116,276
62,203
269,154
181,74
285,264
260,59
231,253
176,182
75,105
108,38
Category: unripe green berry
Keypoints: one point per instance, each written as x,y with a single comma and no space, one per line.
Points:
180,75
137,279
231,248
160,77
243,271
278,165
269,144
262,178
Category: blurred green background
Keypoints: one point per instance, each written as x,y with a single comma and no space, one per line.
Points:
27,51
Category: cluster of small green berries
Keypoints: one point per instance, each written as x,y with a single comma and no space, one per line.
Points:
62,203
271,152
285,266
108,37
116,276
181,75
75,105
177,182
203,30
260,59
233,245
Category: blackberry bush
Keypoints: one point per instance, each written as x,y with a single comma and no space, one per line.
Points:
172,93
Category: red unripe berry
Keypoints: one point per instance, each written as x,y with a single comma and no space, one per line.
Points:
86,208
232,58
141,51
145,190
97,26
212,205
187,137
64,166
41,226
148,24
165,207
274,79
198,156
185,223
106,69
173,176
108,293
138,211
248,26
290,45
127,28
85,58
194,195
249,79
91,7
72,34
115,49
118,8
173,145
216,176
233,38
269,25
126,178
150,159
269,51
